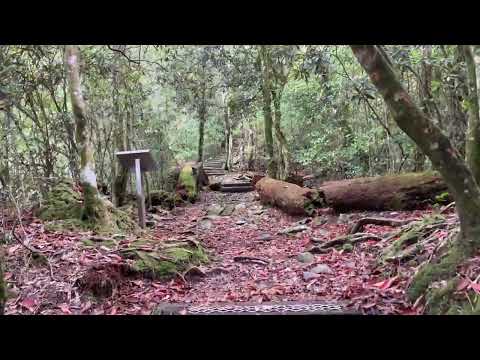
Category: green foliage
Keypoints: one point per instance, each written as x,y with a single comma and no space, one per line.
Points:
443,197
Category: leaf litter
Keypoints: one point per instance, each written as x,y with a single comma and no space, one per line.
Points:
354,277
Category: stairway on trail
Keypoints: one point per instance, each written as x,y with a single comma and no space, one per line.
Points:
216,167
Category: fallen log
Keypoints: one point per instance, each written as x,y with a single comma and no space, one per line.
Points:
291,198
392,192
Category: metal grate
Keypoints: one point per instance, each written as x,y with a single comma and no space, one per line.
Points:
291,308
264,309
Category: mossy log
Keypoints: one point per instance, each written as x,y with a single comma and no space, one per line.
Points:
392,192
291,198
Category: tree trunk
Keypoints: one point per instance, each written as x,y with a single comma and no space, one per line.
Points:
291,198
121,174
93,206
228,139
267,110
283,165
444,157
250,149
472,148
393,192
202,118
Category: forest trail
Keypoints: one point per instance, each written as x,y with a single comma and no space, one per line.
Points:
252,261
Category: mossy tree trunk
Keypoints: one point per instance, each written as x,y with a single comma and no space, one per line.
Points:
443,155
119,188
93,207
267,109
472,143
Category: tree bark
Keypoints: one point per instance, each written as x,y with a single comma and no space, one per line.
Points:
267,110
93,206
119,188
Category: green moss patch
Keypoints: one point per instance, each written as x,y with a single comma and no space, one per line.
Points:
165,199
63,210
62,202
151,260
409,235
187,181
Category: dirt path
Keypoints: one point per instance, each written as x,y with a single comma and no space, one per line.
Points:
250,231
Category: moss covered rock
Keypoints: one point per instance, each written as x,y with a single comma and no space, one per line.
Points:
62,210
62,202
165,199
160,262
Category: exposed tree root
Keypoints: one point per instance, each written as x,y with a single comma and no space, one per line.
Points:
343,241
377,221
412,238
250,259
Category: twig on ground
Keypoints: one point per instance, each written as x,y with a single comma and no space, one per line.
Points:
250,259
446,208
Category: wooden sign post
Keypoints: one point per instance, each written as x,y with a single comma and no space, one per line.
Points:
138,161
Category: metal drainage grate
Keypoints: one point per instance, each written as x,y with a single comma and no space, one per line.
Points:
313,308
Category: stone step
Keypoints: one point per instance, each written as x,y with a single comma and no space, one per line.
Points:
246,184
236,189
214,173
206,168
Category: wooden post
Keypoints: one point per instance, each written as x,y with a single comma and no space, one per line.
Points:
140,196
